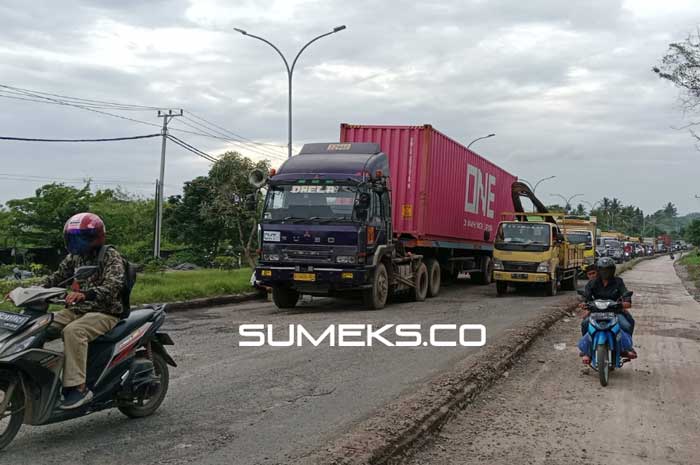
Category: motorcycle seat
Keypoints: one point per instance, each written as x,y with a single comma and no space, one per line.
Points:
126,326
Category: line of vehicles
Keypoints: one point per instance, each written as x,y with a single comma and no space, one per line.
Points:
398,210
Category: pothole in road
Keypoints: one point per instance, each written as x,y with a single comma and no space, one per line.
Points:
684,333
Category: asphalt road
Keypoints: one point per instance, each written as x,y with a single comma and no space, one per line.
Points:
248,405
550,410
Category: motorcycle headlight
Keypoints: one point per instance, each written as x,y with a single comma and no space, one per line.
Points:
497,265
26,338
347,259
272,257
602,305
543,267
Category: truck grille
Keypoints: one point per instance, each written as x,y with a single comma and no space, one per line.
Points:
308,254
526,267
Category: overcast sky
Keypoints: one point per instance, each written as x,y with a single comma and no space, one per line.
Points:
566,86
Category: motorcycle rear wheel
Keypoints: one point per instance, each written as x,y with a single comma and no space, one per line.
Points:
10,425
601,357
142,407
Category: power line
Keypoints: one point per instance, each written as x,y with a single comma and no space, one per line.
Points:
112,139
28,177
206,133
233,133
192,149
80,100
98,106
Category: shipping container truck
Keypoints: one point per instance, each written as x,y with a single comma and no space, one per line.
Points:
388,209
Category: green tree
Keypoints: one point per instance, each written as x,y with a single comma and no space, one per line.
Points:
692,233
39,220
187,220
230,187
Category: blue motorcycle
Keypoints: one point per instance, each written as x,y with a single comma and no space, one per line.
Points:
607,337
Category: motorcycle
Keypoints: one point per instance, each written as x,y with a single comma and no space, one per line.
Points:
127,367
606,336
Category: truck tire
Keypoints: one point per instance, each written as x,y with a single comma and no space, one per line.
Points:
550,288
375,297
284,297
484,276
434,276
569,284
501,288
420,283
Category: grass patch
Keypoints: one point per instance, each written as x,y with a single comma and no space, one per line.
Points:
169,286
692,264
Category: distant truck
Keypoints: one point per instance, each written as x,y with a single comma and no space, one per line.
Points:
387,209
581,230
532,249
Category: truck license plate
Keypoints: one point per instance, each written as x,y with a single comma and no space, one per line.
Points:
304,277
519,275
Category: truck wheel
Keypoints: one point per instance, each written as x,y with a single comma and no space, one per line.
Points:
484,276
550,288
434,275
284,297
501,288
570,283
420,282
375,297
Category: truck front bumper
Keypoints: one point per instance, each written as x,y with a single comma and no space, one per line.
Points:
310,279
521,277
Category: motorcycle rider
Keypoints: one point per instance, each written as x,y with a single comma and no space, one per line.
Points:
93,307
607,286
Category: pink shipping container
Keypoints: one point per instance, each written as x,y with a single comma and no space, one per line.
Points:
442,192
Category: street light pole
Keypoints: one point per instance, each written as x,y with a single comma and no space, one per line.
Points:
290,73
567,205
534,188
479,138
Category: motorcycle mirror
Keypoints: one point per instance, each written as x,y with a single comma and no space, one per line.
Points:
580,292
628,294
83,272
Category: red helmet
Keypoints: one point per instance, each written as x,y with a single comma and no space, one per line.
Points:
83,233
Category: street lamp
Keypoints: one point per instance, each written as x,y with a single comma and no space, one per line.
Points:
534,188
479,138
567,204
290,70
592,205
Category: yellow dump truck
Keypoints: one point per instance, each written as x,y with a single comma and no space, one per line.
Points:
581,230
531,249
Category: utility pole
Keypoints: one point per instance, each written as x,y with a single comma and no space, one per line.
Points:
167,116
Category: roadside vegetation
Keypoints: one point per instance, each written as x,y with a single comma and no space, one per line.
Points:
169,286
692,263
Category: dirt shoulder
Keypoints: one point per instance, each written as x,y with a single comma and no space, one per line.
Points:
548,409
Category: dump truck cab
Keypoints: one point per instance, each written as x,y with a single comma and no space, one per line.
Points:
532,249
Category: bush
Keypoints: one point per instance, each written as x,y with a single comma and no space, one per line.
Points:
224,262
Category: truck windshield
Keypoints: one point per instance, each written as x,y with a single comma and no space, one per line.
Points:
297,202
523,233
612,243
580,237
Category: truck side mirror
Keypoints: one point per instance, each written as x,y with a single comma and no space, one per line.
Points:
362,202
487,236
250,202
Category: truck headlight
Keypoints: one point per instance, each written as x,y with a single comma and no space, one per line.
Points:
543,267
347,259
497,265
272,257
